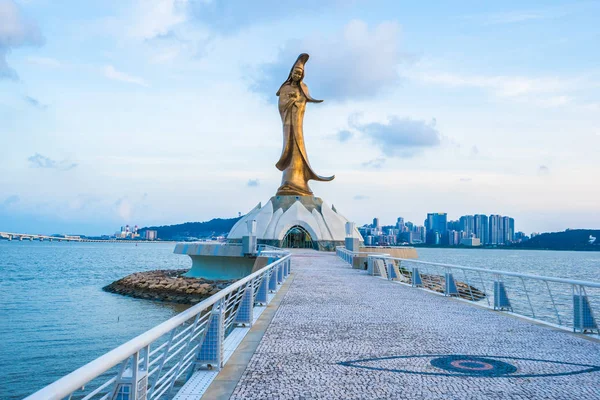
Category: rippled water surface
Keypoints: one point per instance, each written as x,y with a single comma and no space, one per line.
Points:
55,316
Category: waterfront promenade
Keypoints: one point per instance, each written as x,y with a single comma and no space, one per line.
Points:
341,334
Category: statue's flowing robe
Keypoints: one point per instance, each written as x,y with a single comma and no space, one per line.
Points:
294,161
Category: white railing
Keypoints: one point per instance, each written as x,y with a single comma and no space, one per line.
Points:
566,303
157,362
348,255
263,249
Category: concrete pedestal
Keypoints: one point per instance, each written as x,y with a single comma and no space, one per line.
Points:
218,261
326,227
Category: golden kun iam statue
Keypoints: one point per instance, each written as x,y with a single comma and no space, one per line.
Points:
293,96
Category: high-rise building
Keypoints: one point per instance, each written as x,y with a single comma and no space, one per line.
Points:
508,230
467,225
480,227
376,223
422,233
501,230
400,224
364,231
454,226
454,238
494,229
436,226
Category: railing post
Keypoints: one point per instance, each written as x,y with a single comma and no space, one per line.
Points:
391,271
450,285
211,349
263,290
379,268
583,317
280,273
245,313
285,270
501,300
416,277
141,374
370,265
273,280
132,382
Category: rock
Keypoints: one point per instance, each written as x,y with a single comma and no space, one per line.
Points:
166,285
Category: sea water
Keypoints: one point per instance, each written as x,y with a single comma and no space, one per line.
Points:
55,317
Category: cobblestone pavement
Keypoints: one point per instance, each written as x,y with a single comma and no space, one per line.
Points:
340,334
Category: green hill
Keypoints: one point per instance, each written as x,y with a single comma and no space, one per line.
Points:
214,227
572,239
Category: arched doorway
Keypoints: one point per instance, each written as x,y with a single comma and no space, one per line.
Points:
297,238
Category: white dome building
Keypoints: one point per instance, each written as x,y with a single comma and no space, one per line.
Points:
295,221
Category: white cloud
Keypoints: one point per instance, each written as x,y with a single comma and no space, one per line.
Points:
501,85
401,137
111,73
540,91
40,161
358,62
374,163
157,17
15,31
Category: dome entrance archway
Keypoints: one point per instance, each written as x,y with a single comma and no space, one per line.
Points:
298,238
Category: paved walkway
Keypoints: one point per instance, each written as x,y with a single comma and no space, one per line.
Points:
340,334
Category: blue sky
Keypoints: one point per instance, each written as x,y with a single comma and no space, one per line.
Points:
164,111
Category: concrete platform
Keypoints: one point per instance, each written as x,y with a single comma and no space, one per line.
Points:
341,334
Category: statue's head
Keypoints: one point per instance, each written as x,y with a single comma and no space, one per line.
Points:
297,74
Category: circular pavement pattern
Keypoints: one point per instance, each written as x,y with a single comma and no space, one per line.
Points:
470,365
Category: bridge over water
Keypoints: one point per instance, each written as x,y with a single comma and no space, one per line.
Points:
66,238
334,332
41,238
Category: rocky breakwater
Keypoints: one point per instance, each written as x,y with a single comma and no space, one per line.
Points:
166,285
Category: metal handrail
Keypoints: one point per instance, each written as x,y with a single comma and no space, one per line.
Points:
571,303
77,379
359,253
494,271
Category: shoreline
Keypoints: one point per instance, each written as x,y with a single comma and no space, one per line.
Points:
59,240
416,246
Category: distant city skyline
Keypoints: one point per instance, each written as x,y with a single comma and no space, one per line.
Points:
471,230
117,111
